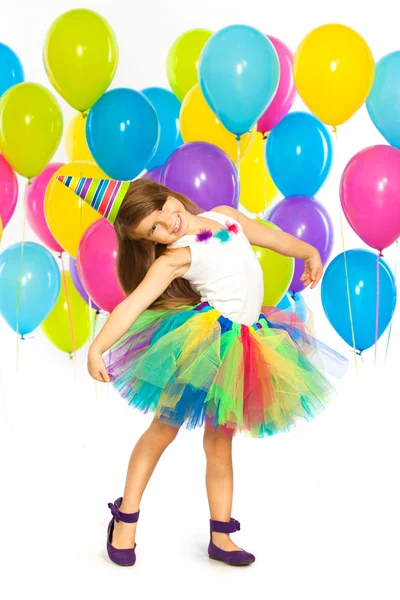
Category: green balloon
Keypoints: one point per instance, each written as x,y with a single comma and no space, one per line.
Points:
183,58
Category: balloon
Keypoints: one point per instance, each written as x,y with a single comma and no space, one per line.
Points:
125,121
8,191
57,326
182,60
204,174
239,75
68,216
299,154
75,139
383,101
167,108
362,271
35,206
307,220
295,304
333,71
257,190
97,263
1,229
278,271
30,127
199,124
370,195
76,280
154,174
11,71
80,57
29,285
286,92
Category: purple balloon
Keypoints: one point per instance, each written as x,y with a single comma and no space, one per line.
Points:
203,173
306,219
76,280
154,174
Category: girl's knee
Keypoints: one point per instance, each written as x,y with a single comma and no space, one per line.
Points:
217,442
163,433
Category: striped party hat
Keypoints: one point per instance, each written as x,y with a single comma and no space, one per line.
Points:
104,195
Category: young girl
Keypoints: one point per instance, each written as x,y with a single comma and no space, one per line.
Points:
189,344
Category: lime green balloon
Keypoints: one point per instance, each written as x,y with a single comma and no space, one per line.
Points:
57,326
80,57
278,271
183,58
31,127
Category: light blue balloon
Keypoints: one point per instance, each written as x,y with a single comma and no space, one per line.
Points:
238,75
295,304
122,132
167,107
299,154
11,71
39,286
362,269
383,103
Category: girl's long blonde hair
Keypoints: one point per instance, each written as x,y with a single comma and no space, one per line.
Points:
135,256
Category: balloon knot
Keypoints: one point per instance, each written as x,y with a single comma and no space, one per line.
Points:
359,352
334,130
22,337
238,138
85,114
380,254
29,182
97,313
60,255
265,135
70,356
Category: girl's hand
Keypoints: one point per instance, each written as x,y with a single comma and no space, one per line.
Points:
313,270
97,367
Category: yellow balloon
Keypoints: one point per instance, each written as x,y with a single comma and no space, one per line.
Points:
1,229
67,215
183,58
30,127
75,139
257,190
57,325
80,57
198,123
333,71
278,271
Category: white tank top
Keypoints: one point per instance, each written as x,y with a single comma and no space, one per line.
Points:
224,270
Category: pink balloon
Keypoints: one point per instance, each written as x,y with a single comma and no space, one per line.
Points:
35,206
370,195
286,92
8,191
97,262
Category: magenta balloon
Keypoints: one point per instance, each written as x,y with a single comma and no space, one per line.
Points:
8,191
76,280
286,92
306,219
97,261
35,206
370,195
203,173
154,174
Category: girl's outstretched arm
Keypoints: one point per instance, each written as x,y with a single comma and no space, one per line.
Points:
280,242
163,271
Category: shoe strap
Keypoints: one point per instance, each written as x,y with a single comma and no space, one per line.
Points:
121,516
224,527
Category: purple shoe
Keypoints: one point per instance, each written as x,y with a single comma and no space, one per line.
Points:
125,557
235,558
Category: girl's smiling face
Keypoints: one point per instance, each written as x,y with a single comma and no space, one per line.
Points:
165,225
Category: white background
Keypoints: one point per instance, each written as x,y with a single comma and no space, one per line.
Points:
319,507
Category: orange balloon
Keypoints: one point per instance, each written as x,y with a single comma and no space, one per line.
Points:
67,215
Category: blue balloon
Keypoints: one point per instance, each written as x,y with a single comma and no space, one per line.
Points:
299,154
238,75
167,107
383,103
295,303
32,272
11,71
362,270
122,132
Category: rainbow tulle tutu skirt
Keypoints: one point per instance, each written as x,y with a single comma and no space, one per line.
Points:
195,367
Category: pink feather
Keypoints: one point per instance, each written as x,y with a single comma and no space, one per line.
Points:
232,228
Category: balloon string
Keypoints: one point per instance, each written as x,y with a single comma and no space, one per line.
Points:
71,326
238,157
377,308
391,322
346,270
265,135
20,274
